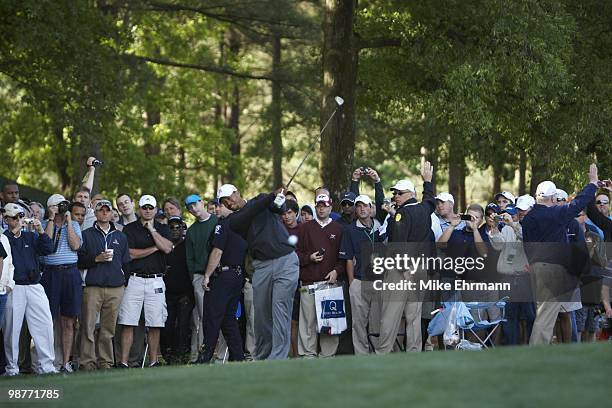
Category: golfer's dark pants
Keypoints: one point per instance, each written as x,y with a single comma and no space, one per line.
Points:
220,305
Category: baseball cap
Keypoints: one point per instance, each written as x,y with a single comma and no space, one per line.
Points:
192,199
348,196
510,209
507,195
147,200
323,198
12,210
494,207
403,185
363,199
175,219
546,189
104,203
525,202
226,190
55,199
562,195
445,197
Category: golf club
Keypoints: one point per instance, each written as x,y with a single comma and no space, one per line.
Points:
339,102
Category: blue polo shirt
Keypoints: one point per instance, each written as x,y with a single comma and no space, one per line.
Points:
64,255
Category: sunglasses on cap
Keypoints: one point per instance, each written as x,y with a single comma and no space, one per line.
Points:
147,207
602,202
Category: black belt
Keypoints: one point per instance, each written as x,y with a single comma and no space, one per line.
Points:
145,276
66,266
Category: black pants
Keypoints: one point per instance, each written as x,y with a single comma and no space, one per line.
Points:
176,335
220,305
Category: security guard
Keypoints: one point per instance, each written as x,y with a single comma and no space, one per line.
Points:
223,279
410,224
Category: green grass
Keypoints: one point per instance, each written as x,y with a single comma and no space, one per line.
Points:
558,376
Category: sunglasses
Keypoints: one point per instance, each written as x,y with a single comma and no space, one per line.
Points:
395,192
601,202
18,216
346,204
147,207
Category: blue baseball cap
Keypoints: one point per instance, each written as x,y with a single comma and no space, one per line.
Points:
348,196
194,198
494,207
510,209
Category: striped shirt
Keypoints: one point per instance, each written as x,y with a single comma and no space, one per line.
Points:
64,255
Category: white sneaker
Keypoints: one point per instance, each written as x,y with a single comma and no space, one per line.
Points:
67,368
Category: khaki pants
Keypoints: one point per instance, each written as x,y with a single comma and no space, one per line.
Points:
546,275
249,314
105,302
395,304
307,335
197,328
365,310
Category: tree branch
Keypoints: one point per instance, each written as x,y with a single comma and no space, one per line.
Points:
207,68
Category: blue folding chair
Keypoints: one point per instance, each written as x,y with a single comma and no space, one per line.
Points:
480,324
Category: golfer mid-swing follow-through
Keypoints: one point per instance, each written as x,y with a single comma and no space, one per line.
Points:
277,267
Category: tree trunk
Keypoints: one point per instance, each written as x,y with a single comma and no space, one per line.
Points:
462,174
275,114
539,173
339,79
522,173
498,171
233,116
61,160
454,172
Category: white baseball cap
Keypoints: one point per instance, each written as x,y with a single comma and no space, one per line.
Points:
323,198
507,195
525,202
445,197
55,199
403,185
562,195
363,199
546,189
226,190
12,210
147,200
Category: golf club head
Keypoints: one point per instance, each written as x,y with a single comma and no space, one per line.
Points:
339,100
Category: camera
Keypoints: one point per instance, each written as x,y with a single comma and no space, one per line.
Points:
364,169
63,207
321,252
466,217
97,163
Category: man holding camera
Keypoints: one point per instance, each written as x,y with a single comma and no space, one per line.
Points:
27,299
149,242
61,278
105,255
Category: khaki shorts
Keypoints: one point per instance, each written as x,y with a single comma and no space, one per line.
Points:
149,293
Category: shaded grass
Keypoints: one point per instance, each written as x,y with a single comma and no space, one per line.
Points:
560,376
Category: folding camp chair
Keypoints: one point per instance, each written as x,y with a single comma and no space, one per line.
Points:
401,345
483,324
